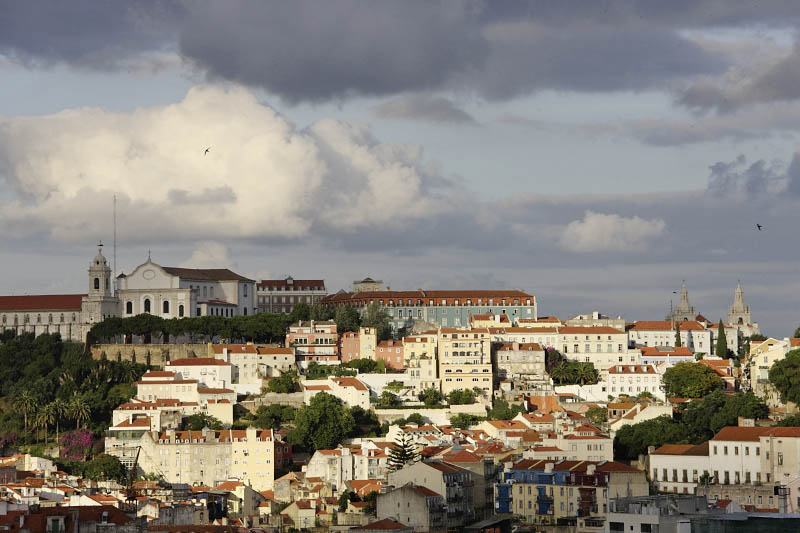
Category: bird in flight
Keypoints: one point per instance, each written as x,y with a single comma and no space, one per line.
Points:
759,226
207,150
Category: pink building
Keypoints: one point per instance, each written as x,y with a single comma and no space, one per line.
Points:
349,346
313,338
391,353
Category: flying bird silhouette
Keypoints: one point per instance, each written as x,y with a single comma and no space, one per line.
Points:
759,226
207,150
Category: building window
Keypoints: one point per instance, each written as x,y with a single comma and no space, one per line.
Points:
97,284
129,308
165,307
180,311
147,305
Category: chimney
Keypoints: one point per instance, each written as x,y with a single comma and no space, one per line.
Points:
590,470
548,468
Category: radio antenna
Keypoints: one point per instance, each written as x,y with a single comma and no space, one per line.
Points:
114,265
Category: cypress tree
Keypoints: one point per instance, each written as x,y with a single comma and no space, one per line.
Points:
722,342
677,334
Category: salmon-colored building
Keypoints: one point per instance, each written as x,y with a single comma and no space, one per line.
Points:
391,353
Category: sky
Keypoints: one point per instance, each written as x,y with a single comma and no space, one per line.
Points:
593,153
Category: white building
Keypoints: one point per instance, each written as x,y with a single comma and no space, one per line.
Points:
345,464
679,467
694,335
211,372
634,380
350,390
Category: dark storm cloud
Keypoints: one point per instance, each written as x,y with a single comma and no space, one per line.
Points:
738,177
83,33
315,51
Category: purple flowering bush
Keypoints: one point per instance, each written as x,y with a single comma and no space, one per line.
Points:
75,445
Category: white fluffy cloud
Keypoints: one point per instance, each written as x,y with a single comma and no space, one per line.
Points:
209,254
262,178
598,232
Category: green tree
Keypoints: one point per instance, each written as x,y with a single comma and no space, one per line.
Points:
597,415
319,312
374,316
415,418
26,403
44,417
461,397
198,421
346,318
785,377
387,399
722,342
632,441
364,366
501,410
690,380
79,411
562,372
105,467
464,420
284,384
272,416
402,453
345,498
703,419
431,397
59,408
585,373
757,337
790,421
677,334
323,424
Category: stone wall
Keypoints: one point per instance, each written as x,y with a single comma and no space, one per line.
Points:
294,399
156,355
434,416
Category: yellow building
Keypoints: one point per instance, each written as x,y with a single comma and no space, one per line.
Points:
465,359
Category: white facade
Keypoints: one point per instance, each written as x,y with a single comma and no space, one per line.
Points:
210,372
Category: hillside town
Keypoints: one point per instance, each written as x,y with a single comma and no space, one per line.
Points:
181,399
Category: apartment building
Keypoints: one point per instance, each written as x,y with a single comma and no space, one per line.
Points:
204,457
391,353
165,385
679,468
694,335
313,338
273,362
281,295
440,308
351,391
422,367
575,492
669,355
465,359
634,380
414,505
453,483
209,371
345,464
517,359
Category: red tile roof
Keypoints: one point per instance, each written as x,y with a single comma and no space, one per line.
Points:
386,524
350,382
42,302
198,361
682,449
666,325
590,330
234,348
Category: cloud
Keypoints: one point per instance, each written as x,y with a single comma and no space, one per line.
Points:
209,254
736,177
263,179
423,107
599,232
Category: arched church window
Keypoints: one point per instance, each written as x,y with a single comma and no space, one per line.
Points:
180,311
73,317
4,319
27,319
62,318
97,284
129,308
50,319
165,307
147,305
38,319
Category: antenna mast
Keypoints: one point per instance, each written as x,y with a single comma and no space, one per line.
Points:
114,265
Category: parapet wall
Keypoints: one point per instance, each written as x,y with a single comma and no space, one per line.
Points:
156,355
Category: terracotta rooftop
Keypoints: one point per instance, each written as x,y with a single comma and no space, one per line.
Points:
205,274
42,302
198,361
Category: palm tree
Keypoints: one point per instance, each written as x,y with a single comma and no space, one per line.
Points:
44,417
561,372
584,373
79,410
27,403
59,408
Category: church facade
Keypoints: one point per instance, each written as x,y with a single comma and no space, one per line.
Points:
168,292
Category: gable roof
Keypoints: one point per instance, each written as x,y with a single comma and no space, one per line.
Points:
42,302
205,274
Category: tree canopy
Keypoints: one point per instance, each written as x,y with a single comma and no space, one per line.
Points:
431,397
272,416
785,377
323,424
374,316
198,421
501,410
597,415
461,397
721,349
690,380
285,383
346,318
402,454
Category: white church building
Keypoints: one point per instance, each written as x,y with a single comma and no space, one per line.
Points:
168,292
